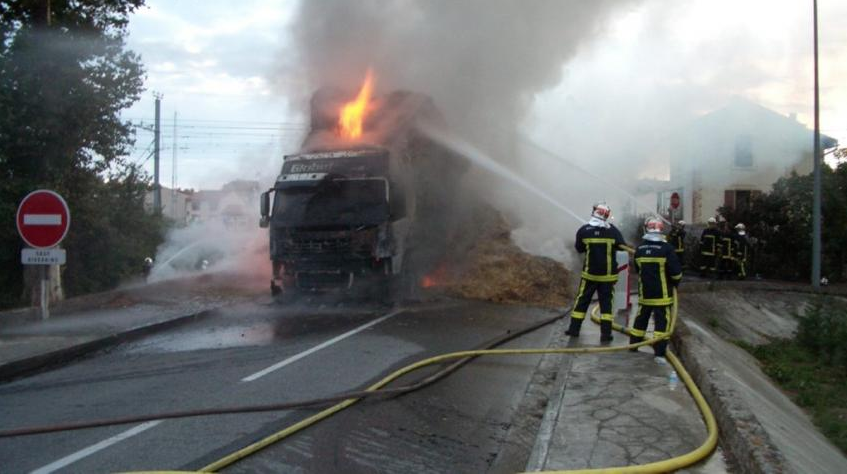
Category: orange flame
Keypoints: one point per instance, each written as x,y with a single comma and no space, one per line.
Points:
436,277
353,113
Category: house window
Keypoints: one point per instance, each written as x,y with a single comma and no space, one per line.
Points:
739,199
743,152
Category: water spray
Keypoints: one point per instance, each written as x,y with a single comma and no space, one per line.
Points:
526,141
475,155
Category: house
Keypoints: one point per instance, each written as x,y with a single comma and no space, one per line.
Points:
726,157
235,205
174,203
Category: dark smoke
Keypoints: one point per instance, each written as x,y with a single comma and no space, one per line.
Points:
480,60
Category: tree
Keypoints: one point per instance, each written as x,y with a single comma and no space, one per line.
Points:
781,222
65,75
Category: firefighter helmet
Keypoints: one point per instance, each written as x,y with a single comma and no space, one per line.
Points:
740,228
601,211
680,224
654,226
712,220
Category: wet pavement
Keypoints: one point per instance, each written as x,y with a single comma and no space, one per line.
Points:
598,410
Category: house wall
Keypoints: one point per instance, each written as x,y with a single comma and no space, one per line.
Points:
174,204
705,157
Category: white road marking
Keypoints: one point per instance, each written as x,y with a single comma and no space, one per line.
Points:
42,219
67,460
323,345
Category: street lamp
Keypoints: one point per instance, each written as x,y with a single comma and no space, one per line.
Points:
816,205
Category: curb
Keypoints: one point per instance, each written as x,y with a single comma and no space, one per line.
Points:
524,436
60,357
742,436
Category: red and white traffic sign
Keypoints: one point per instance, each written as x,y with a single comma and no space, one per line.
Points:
43,219
674,200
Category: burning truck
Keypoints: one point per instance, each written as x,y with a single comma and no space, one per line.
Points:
367,203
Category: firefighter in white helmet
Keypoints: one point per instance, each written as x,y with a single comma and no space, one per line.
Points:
659,273
709,242
676,237
741,245
599,240
726,249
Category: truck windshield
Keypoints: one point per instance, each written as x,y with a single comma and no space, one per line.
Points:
353,202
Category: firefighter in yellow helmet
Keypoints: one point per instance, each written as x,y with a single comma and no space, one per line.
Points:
599,240
659,272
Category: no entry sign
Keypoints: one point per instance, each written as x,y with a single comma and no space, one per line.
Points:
43,219
674,200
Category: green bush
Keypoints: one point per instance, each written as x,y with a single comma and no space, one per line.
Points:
823,332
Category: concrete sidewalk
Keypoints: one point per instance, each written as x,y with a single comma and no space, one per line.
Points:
82,325
617,409
28,343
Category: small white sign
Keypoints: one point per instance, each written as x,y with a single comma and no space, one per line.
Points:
42,219
43,256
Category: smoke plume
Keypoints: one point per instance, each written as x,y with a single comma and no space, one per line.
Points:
478,59
483,63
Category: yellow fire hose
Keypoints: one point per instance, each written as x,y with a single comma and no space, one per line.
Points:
667,465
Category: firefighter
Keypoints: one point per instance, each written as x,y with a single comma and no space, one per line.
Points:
676,238
726,250
659,273
599,240
709,240
742,250
148,266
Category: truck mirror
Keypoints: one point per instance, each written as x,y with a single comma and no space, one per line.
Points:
265,209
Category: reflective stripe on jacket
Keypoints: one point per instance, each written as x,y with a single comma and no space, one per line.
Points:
709,241
659,271
599,245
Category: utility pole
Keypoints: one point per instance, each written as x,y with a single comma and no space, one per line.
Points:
173,175
816,205
157,130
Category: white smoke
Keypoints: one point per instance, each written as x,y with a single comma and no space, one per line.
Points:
603,85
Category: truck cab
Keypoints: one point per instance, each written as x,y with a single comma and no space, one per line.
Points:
335,221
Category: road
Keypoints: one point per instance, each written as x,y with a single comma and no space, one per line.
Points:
256,353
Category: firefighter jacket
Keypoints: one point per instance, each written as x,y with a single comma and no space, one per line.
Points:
599,245
709,241
677,239
741,246
659,271
726,245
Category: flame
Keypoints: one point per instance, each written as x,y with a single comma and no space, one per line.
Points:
437,277
353,113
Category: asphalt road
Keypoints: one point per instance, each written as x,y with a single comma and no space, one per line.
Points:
264,353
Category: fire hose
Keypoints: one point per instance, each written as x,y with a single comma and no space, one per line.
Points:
667,465
460,358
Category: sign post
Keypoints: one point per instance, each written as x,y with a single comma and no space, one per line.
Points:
43,219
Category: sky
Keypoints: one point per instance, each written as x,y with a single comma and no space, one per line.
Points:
642,68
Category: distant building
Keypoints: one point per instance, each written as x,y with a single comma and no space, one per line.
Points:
726,157
234,206
174,204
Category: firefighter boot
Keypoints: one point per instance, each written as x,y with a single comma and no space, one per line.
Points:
606,331
635,340
573,329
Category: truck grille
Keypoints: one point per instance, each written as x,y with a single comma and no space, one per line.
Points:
299,246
